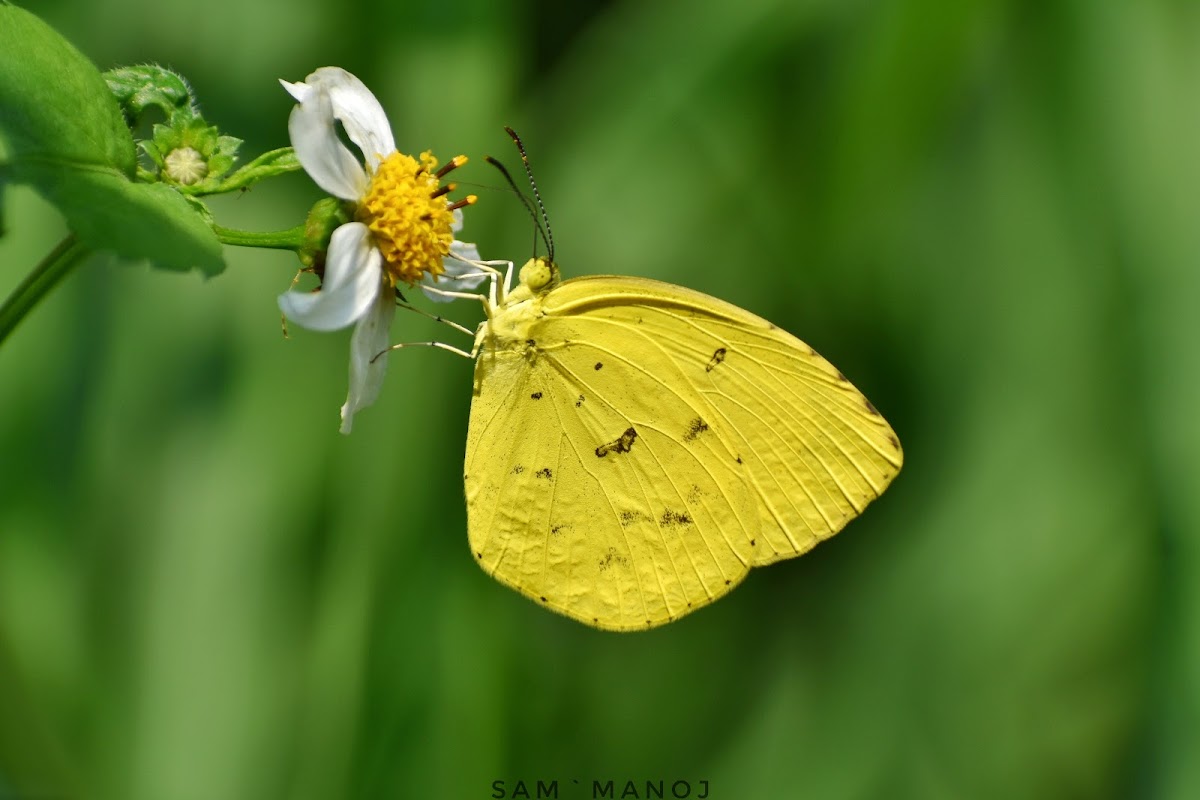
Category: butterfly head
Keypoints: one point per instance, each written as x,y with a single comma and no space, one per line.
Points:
539,275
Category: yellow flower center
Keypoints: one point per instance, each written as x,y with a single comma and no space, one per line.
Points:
406,211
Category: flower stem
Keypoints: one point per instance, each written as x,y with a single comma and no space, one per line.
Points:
38,284
291,239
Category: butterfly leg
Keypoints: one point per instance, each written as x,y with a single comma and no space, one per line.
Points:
492,268
456,295
295,280
437,318
508,273
440,345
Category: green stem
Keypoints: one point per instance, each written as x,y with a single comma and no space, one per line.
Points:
291,239
38,284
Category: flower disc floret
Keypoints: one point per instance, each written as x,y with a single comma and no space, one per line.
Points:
185,166
405,209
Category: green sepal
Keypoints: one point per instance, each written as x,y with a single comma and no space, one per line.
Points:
326,215
223,155
270,164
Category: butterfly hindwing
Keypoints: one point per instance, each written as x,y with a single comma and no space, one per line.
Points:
605,502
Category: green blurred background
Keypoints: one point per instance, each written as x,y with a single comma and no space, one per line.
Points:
983,211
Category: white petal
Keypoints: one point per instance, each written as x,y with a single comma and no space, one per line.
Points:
459,275
327,161
370,339
300,91
460,252
353,278
359,112
350,248
456,225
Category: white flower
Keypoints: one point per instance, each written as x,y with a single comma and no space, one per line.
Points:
403,228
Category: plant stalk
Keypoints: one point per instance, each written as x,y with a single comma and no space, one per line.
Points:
45,276
291,239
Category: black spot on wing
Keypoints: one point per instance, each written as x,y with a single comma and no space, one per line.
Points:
870,407
632,517
695,494
599,366
536,396
545,473
717,357
695,428
555,530
674,519
518,469
622,444
613,558
895,442
579,402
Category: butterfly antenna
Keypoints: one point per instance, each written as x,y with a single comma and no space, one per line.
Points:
533,185
537,223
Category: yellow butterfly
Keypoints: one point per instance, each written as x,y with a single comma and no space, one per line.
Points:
636,447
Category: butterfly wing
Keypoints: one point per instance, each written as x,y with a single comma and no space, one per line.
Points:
649,444
815,450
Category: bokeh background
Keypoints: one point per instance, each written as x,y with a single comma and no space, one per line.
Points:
983,211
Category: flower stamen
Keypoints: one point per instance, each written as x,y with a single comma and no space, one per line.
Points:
409,220
452,165
469,200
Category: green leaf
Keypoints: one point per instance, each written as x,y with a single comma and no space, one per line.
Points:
56,105
108,211
140,87
67,137
3,180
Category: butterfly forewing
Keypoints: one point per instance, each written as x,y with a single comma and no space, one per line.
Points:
814,449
